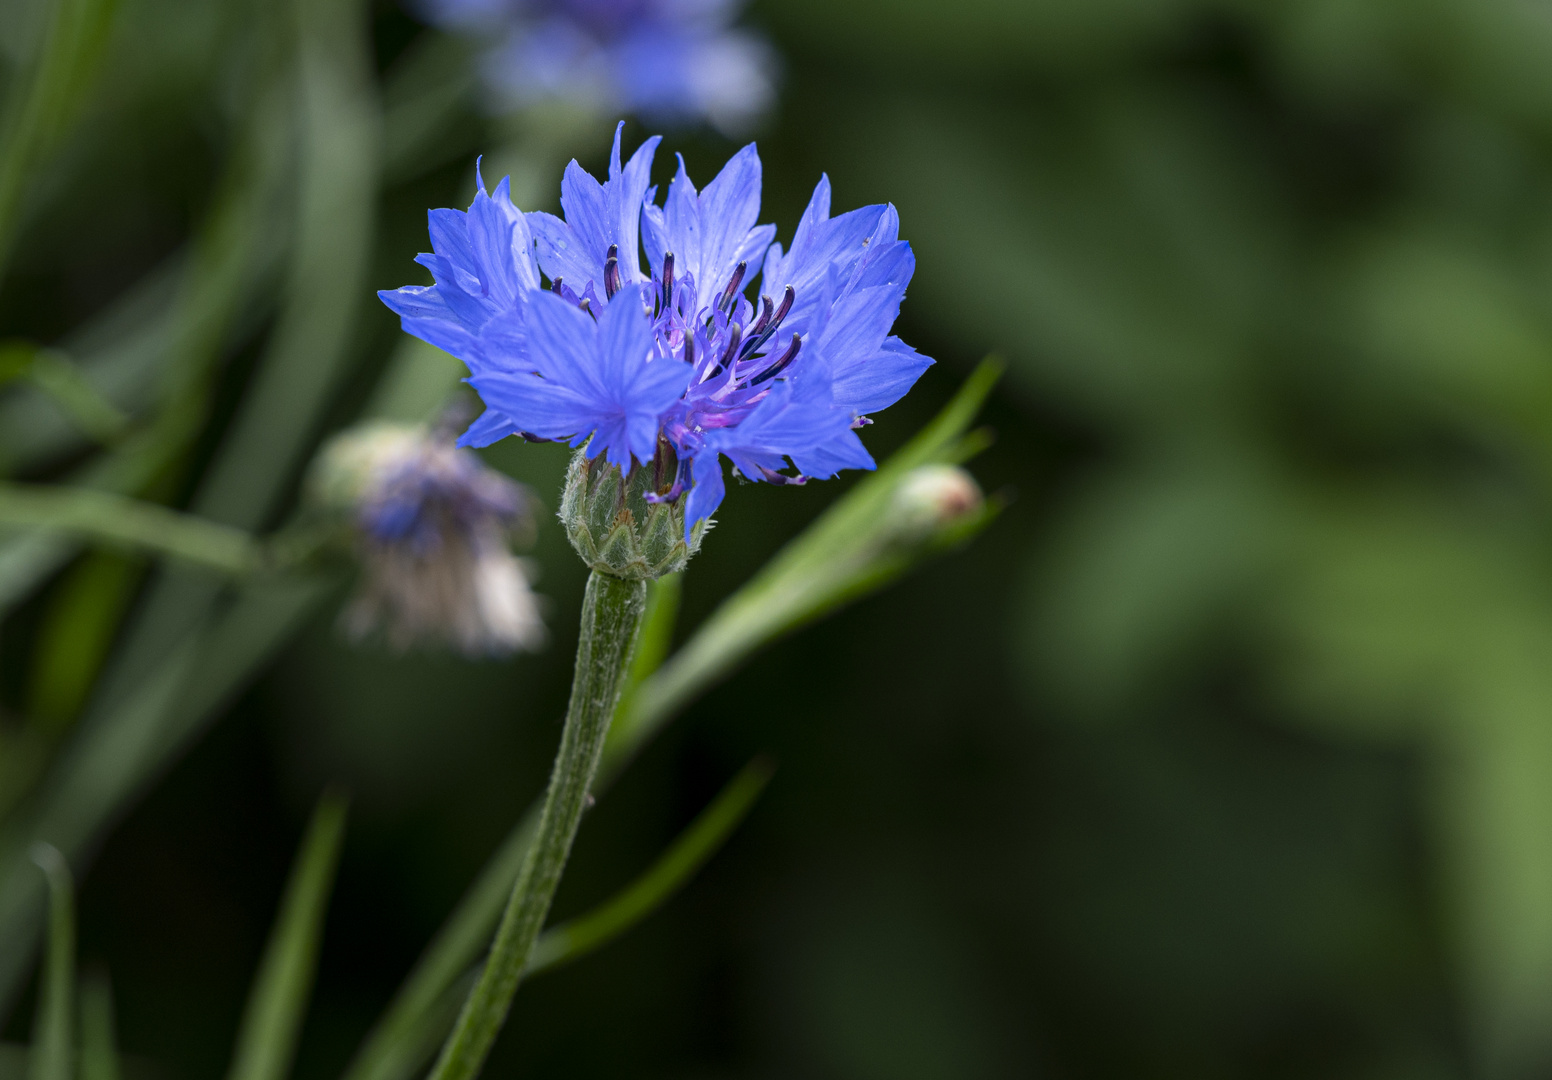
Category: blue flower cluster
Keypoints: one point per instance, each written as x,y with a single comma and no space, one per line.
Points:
672,362
671,60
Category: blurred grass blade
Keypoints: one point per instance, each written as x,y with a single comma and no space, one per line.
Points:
231,255
59,378
99,1044
286,398
414,1027
42,107
278,1001
462,938
427,93
326,287
698,843
143,526
53,1040
402,1050
151,700
14,1061
468,929
117,751
657,626
74,636
838,558
416,384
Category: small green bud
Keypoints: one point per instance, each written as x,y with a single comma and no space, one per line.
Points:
613,526
931,498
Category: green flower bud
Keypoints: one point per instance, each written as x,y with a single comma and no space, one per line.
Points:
613,526
932,498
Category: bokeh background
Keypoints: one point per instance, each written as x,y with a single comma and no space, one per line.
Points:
1227,752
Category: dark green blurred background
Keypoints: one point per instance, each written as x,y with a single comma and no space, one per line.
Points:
1226,753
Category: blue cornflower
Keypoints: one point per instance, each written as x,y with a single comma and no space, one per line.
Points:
675,364
669,60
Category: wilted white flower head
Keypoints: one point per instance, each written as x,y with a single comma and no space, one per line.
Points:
432,525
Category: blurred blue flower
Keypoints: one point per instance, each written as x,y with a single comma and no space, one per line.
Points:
676,359
432,525
667,60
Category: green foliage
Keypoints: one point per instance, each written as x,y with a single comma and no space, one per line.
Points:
278,1000
53,1041
577,937
1272,282
99,1058
39,112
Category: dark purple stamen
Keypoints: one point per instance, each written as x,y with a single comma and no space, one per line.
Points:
587,305
786,358
757,340
612,272
787,299
555,286
732,286
668,278
734,336
765,317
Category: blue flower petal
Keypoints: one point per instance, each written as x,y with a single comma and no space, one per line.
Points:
825,460
709,489
598,216
877,383
491,427
416,302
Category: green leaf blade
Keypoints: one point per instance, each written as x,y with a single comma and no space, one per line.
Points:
665,877
278,1001
99,1045
53,1029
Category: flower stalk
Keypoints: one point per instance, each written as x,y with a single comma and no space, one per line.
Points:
612,611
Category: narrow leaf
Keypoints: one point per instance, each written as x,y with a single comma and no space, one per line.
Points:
462,938
45,104
698,843
400,1051
99,1045
657,630
839,557
14,1061
53,1029
59,378
116,519
119,749
278,1000
326,281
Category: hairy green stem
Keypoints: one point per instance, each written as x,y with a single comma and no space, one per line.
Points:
611,614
